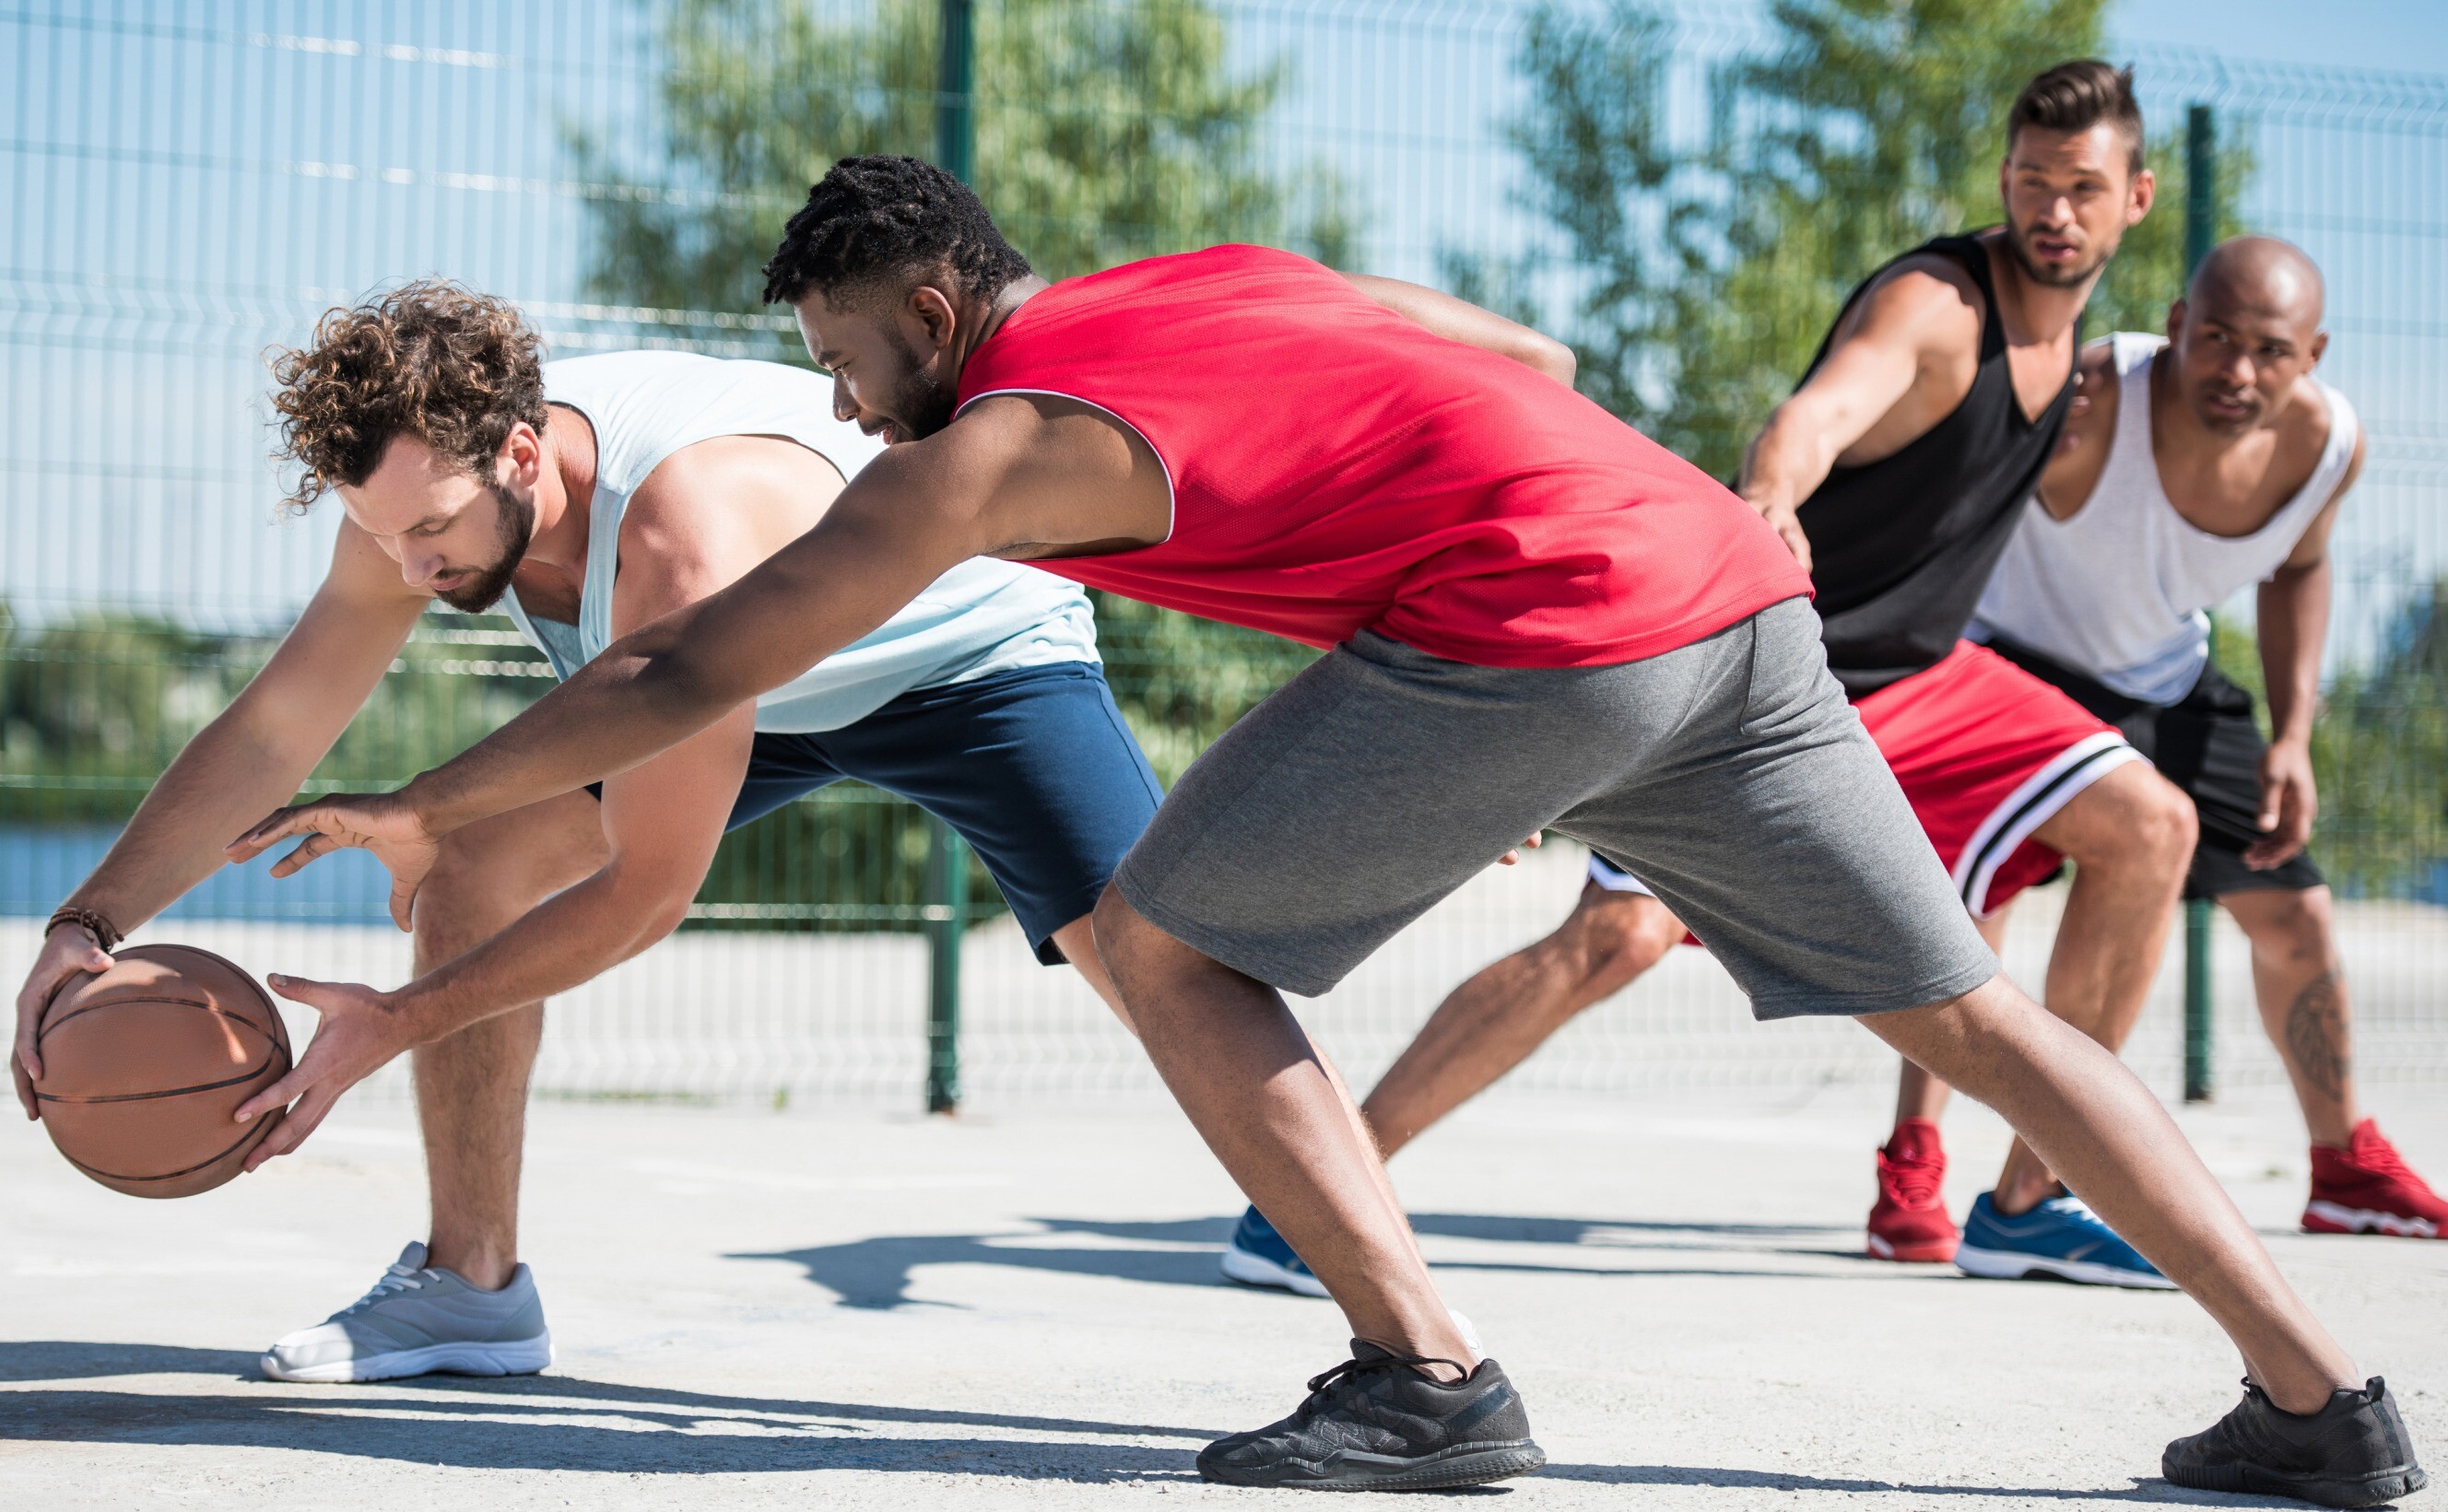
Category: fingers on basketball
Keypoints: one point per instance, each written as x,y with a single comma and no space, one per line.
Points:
303,1118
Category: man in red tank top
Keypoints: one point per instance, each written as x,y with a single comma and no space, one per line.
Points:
1538,620
1896,469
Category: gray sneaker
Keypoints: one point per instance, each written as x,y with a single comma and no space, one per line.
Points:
420,1321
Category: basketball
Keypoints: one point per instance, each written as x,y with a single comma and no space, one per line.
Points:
144,1067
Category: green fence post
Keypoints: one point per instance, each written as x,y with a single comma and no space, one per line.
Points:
947,857
2197,1001
947,919
2201,232
955,69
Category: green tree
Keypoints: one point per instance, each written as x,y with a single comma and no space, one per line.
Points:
2381,751
94,706
1104,132
1705,275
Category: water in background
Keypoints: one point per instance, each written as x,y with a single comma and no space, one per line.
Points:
38,867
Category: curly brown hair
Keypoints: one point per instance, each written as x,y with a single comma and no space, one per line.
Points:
454,369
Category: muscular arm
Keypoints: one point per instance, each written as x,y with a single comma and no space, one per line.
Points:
265,744
2292,621
1014,476
1915,336
1460,320
689,532
256,752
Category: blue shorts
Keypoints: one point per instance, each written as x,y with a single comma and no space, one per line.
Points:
1034,768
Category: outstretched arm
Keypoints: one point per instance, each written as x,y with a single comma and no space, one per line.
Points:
1460,320
257,751
661,820
1012,475
1901,331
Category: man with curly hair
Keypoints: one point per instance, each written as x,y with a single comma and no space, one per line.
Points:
1538,618
587,497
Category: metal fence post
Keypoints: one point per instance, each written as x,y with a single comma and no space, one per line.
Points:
2201,233
947,857
955,69
947,919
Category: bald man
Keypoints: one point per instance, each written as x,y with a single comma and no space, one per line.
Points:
2198,464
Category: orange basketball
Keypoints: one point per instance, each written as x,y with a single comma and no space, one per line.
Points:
144,1066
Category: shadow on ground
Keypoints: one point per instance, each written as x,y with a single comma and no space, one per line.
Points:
2154,1491
570,1423
876,1273
549,1423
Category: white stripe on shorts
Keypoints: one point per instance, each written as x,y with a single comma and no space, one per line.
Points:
2030,806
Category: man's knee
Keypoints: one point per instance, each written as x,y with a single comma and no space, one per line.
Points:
2133,819
1968,1042
493,870
1612,938
2294,924
1129,946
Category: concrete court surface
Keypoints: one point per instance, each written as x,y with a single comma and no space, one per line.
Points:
862,1309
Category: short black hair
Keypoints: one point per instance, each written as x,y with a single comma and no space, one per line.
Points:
878,221
2078,96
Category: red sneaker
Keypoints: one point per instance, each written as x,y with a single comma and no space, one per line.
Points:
1909,1220
2367,1188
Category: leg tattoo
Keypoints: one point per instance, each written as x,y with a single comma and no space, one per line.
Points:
2316,1035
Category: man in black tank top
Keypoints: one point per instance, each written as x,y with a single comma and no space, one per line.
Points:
1898,469
1896,472
1901,545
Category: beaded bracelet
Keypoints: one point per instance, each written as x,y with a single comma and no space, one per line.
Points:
105,932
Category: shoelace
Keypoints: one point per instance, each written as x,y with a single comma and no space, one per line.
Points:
395,1280
1915,1184
2380,1158
1321,1386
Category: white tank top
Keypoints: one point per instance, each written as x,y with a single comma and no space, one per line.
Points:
983,616
2118,592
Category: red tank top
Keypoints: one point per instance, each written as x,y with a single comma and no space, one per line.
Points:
1336,468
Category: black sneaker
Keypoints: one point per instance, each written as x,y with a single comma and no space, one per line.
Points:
2353,1452
1374,1424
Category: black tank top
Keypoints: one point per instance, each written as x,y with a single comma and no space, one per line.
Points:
1902,547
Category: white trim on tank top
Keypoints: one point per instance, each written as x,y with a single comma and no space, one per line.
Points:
2043,598
1163,465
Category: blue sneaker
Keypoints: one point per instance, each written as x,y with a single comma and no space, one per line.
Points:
1257,1255
2061,1238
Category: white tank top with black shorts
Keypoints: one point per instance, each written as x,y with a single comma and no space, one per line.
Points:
2111,607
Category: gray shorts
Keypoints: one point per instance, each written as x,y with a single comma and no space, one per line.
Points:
1731,775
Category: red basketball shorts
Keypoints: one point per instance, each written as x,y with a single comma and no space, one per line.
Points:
1987,753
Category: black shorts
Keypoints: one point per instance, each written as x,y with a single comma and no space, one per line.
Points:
2206,742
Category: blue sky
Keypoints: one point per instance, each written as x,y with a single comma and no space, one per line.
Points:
192,190
2410,34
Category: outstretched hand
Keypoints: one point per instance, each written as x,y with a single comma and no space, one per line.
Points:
361,1031
381,822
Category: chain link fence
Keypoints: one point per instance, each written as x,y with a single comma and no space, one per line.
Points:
196,183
